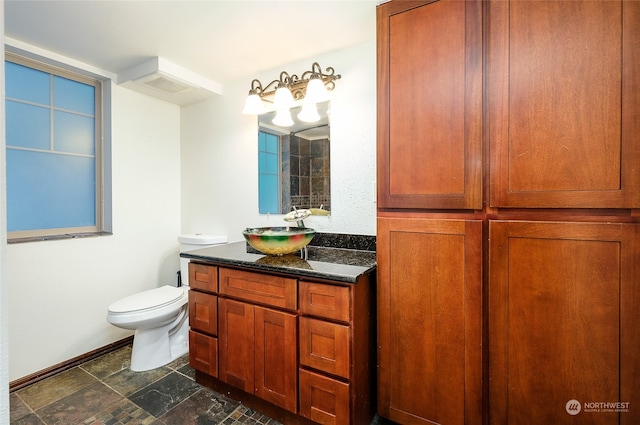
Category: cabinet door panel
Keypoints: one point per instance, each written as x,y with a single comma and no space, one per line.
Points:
203,353
236,341
328,301
203,312
325,346
323,399
204,278
430,104
266,289
563,320
429,320
276,357
562,131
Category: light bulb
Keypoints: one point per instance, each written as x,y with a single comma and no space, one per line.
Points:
283,98
283,118
254,105
309,113
316,91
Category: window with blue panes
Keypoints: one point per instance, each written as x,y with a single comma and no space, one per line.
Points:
268,173
53,151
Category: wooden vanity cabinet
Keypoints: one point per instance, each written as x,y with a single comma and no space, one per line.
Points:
304,346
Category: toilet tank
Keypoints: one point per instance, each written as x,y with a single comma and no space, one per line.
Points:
189,242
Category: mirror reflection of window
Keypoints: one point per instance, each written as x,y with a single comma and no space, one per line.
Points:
294,163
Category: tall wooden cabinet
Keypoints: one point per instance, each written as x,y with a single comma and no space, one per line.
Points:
508,211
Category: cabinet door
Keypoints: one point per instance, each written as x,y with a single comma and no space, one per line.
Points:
203,353
563,321
430,104
203,312
429,320
203,277
325,346
324,400
564,100
276,357
236,340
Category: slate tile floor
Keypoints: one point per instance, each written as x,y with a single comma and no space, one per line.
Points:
104,391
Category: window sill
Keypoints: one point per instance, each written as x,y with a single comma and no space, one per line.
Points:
57,237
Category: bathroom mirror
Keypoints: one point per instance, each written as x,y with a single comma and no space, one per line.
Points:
293,163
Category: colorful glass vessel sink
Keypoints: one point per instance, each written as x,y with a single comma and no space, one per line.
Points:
278,240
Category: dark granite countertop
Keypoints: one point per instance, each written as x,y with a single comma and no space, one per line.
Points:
339,264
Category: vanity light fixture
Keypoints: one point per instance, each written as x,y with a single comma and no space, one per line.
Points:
312,86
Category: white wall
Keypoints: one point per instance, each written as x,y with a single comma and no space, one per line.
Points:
59,291
219,153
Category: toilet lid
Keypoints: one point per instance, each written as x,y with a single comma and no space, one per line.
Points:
153,298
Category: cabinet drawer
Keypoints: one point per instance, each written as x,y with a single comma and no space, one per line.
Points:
203,312
323,400
261,288
203,353
203,277
324,300
325,346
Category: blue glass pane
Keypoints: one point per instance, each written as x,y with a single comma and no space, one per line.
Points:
262,162
272,164
73,133
27,126
268,190
73,96
47,191
272,143
262,141
27,84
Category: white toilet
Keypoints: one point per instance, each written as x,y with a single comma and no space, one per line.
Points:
160,316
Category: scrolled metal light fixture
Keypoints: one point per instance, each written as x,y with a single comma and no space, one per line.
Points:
312,86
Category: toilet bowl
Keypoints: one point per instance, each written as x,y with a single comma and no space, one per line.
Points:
159,316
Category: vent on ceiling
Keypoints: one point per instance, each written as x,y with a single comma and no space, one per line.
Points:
165,83
162,79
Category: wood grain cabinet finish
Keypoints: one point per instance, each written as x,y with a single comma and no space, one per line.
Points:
258,352
563,303
203,353
430,104
564,95
429,320
540,103
203,278
203,312
337,352
316,361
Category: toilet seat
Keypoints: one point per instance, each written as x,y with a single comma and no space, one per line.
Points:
148,300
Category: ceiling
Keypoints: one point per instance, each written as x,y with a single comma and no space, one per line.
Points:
223,41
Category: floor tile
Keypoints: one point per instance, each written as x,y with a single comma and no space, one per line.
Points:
127,382
203,408
30,419
17,407
163,395
56,387
75,408
188,371
121,413
110,363
247,416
